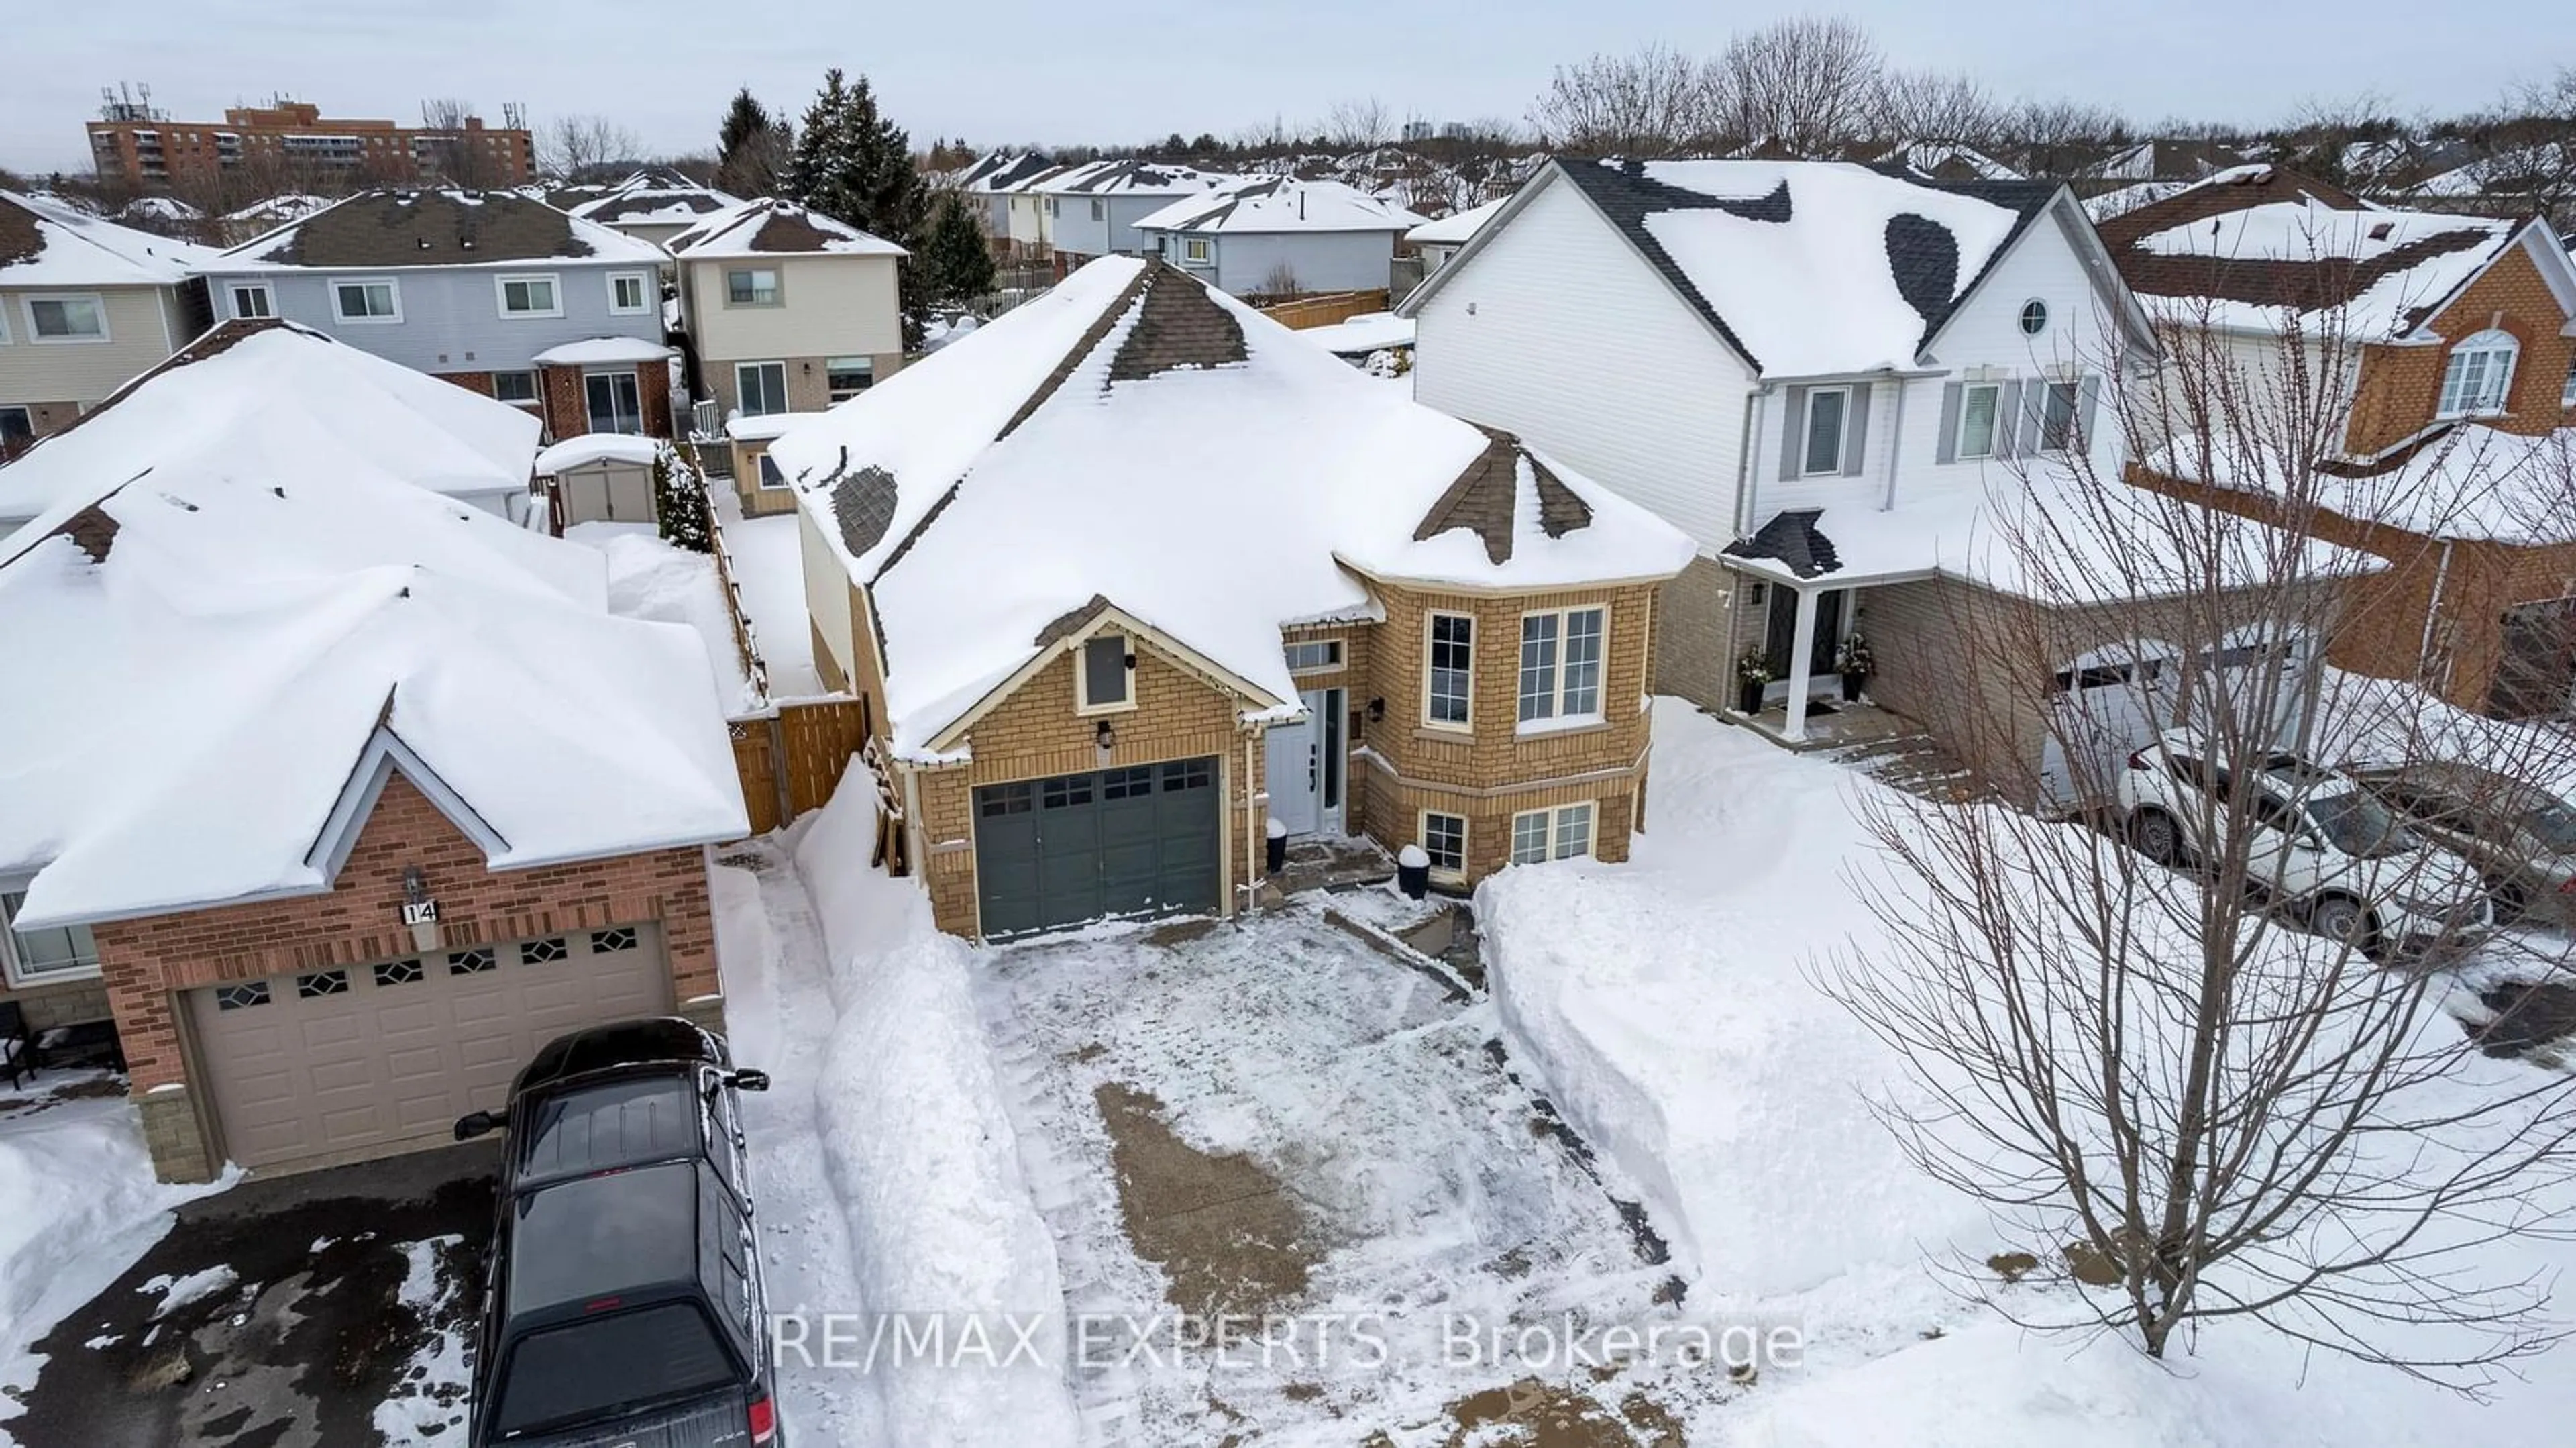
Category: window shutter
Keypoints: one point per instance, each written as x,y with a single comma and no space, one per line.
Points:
1952,395
2087,397
2028,423
2008,421
1856,429
1793,434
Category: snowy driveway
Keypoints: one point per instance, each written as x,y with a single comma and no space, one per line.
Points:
1275,1118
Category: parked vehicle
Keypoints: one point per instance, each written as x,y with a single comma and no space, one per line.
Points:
2319,844
2520,837
622,1302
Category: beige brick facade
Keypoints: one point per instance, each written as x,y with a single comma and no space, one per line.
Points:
2399,389
148,962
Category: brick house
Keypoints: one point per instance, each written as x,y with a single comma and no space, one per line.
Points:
2442,353
1131,573
335,795
501,295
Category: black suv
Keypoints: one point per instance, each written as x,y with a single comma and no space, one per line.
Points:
622,1304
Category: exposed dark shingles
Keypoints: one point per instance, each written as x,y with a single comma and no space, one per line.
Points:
91,530
1923,256
646,203
1792,539
429,228
1180,326
789,231
1625,196
863,506
1560,509
1064,625
2027,200
1481,500
2218,198
19,239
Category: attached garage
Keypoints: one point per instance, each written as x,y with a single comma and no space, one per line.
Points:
1077,847
360,1061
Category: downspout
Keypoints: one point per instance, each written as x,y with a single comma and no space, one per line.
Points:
1895,450
1744,459
1251,829
2432,612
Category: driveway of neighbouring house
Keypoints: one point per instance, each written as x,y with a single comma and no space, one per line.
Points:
328,1310
1278,1117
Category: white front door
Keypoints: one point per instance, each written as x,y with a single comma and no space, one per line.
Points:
1305,775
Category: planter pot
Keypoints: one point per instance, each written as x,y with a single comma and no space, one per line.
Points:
1851,687
1276,855
1413,871
1748,696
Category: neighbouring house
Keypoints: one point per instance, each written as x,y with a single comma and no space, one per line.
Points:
1026,234
85,307
1092,211
1280,237
1825,375
1943,161
2446,347
1133,571
264,216
488,290
788,311
989,183
338,797
1439,242
653,206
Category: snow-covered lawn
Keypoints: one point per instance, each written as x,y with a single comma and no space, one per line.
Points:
651,579
1666,1007
78,1206
769,568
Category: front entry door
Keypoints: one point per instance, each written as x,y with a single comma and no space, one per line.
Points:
1782,633
1305,767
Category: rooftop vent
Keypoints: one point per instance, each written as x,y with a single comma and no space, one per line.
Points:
2381,231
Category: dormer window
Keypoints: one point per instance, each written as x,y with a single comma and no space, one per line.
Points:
2479,375
1103,681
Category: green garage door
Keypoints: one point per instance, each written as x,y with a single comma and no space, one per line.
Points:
1140,841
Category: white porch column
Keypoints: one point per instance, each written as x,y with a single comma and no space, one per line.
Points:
1801,649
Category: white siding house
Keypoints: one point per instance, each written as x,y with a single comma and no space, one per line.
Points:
1277,236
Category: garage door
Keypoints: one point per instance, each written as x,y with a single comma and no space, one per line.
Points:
357,1061
1138,841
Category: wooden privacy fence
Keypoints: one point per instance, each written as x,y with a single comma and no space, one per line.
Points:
1325,309
792,756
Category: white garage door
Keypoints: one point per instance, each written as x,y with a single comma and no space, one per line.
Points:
359,1061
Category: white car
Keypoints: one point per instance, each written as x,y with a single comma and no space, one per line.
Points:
2320,844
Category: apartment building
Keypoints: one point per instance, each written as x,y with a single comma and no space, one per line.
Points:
145,148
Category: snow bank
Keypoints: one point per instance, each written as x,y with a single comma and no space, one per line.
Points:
941,1216
769,569
1664,1005
78,1205
651,579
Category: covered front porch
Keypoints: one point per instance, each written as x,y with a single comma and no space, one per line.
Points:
1800,655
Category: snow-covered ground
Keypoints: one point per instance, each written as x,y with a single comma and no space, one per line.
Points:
651,579
78,1206
769,568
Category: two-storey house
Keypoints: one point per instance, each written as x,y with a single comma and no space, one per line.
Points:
788,311
85,307
2436,356
1280,237
494,292
1092,211
653,205
1828,376
1130,573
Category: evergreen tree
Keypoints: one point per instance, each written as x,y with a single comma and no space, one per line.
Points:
680,502
955,260
750,144
854,165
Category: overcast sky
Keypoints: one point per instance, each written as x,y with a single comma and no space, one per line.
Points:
1115,71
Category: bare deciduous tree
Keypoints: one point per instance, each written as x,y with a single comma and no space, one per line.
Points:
585,148
2194,1087
1359,125
1925,105
1805,84
1654,102
458,162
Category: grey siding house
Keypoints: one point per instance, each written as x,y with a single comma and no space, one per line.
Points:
496,293
1280,237
1095,211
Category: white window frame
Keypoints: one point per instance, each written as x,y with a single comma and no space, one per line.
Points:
554,292
2021,317
1422,834
97,304
777,286
1197,248
740,393
2490,344
1557,717
762,470
393,293
1807,432
2566,390
536,389
1333,656
1552,839
834,394
1430,625
13,969
1082,701
644,289
1994,422
235,291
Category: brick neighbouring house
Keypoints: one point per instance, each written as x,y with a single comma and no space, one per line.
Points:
2445,349
1134,570
351,794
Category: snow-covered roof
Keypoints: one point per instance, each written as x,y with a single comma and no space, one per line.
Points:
770,227
1946,161
1134,178
1001,172
394,229
2259,267
1102,443
596,447
46,244
2467,481
276,396
232,635
1458,227
1359,336
278,210
642,200
603,351
1809,268
159,208
1277,204
762,426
